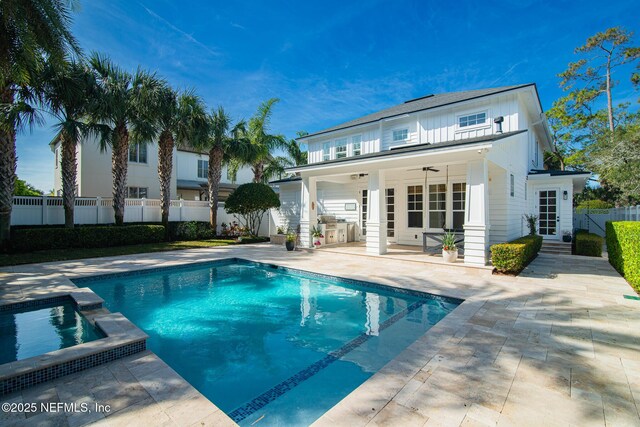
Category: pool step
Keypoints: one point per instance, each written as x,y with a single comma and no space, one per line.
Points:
555,248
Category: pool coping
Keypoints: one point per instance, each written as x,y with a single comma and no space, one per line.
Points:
122,338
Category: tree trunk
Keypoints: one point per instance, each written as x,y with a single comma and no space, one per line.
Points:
214,175
119,165
165,166
7,174
609,100
69,168
258,172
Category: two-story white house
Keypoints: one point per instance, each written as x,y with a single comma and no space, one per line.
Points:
466,161
188,179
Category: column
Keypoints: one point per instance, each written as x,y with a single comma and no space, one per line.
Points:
376,215
309,211
476,226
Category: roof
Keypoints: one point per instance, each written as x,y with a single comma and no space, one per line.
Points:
285,180
413,149
557,172
189,184
420,104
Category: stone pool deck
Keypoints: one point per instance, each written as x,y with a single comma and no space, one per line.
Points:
558,345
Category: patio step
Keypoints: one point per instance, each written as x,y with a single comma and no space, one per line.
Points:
555,248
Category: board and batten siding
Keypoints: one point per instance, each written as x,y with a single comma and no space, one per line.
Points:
369,143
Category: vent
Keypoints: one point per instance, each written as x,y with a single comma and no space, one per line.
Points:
418,99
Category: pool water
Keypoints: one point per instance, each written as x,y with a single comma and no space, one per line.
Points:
270,344
37,330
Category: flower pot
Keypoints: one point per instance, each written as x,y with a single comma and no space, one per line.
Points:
449,255
566,238
290,245
318,241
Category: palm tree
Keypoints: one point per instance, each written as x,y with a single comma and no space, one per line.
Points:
223,146
68,90
171,118
32,31
117,109
293,156
258,143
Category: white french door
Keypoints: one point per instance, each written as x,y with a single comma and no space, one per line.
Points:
548,213
390,195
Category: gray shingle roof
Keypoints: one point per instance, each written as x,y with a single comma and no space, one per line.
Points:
557,172
420,104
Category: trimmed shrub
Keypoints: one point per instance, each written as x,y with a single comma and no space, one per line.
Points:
588,244
34,239
191,230
623,248
513,256
251,201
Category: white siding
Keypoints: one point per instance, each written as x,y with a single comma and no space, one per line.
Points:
288,216
332,198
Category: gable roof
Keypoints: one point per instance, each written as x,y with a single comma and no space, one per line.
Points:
420,104
409,149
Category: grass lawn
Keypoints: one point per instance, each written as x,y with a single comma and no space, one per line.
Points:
79,253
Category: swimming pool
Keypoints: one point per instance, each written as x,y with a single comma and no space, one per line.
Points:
262,341
42,328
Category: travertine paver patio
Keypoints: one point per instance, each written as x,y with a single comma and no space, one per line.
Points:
558,345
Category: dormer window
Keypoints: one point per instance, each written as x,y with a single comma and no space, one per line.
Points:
472,120
326,151
400,135
341,148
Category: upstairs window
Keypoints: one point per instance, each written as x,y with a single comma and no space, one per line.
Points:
341,148
138,153
400,135
326,151
203,168
137,192
472,120
356,141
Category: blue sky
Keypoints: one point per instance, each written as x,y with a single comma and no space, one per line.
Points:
332,61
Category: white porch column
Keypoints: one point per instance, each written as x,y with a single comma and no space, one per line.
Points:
376,215
309,213
476,224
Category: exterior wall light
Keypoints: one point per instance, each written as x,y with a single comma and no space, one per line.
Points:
565,195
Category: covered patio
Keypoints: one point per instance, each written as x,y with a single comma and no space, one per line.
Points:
395,196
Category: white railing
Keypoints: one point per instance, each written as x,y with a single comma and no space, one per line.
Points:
47,210
594,220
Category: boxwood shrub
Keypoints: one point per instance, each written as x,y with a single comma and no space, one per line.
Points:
41,238
623,248
513,256
588,244
191,230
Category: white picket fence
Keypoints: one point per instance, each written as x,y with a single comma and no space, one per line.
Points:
47,210
595,220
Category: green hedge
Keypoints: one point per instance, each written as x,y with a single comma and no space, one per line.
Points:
34,239
623,248
588,244
191,230
513,256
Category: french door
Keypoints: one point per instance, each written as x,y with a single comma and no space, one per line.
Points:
390,195
363,214
548,215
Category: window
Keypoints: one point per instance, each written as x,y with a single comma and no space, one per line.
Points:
400,135
512,186
56,158
459,194
203,168
356,142
437,205
138,153
341,148
535,148
472,120
326,151
232,174
414,206
137,192
391,215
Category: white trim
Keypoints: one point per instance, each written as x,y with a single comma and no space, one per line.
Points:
485,125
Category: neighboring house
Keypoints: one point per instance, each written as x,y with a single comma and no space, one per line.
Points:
188,179
470,161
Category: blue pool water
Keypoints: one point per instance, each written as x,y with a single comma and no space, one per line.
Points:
268,343
37,330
